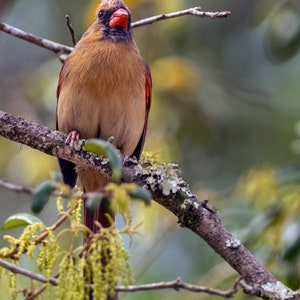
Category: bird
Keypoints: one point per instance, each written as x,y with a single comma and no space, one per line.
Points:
104,90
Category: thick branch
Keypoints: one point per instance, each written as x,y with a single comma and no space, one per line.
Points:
22,131
191,212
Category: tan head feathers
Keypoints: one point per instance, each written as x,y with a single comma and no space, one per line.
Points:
111,3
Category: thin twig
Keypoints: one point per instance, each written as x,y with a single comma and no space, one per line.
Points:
195,11
17,188
43,235
177,285
61,50
35,294
29,190
18,270
41,289
70,26
44,286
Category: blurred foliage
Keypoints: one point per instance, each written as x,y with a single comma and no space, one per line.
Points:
78,266
225,106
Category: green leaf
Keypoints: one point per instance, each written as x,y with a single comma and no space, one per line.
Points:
21,219
96,146
93,202
104,148
116,162
141,193
41,195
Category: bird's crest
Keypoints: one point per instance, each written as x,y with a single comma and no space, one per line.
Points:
111,3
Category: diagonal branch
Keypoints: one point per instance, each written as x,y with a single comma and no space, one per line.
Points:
15,187
18,270
169,190
61,50
194,11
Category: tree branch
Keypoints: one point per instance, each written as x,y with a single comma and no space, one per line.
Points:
178,284
175,284
42,236
18,270
195,11
72,31
167,188
63,51
16,187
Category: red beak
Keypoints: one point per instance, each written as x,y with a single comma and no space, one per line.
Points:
119,18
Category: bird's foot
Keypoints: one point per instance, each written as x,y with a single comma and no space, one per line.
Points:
124,157
72,137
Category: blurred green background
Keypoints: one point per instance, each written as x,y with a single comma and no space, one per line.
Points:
226,103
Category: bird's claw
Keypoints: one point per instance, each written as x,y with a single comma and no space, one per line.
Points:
72,137
124,157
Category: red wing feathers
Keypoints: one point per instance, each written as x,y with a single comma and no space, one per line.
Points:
148,92
67,167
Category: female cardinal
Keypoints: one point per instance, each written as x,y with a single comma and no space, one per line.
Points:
104,90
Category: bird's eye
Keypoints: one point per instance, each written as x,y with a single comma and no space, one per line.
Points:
100,13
